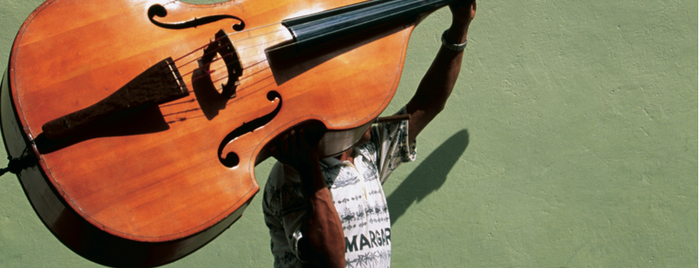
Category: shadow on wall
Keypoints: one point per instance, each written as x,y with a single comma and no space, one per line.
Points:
429,176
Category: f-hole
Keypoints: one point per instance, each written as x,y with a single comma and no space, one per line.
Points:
231,159
218,75
160,11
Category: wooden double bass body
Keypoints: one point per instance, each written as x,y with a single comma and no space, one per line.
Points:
133,181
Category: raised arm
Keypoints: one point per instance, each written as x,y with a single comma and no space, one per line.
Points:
435,88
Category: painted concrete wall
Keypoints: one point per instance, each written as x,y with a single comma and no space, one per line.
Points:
570,141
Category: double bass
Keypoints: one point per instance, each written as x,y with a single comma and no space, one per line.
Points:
143,120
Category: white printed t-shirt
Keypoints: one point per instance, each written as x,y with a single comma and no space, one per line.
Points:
357,195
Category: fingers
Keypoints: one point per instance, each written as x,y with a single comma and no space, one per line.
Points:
463,11
302,141
293,149
289,143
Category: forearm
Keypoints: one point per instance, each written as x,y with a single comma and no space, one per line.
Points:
437,84
323,244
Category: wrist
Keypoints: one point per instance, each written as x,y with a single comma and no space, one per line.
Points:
448,43
457,32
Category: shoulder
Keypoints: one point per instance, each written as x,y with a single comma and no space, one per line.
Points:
281,174
282,189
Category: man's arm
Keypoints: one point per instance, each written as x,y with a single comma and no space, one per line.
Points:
435,88
323,243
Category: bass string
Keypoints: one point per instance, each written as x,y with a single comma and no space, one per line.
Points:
218,58
246,87
241,77
227,35
192,100
248,67
230,100
232,34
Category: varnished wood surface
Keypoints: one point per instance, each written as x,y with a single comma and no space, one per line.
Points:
156,177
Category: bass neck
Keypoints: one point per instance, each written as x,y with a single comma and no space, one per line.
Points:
320,28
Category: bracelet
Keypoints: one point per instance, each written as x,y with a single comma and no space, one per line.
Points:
451,45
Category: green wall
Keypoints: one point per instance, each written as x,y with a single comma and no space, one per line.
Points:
570,141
